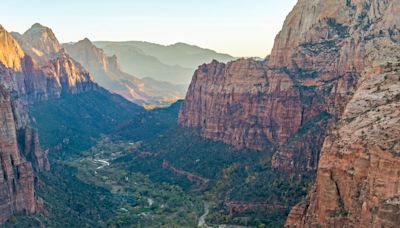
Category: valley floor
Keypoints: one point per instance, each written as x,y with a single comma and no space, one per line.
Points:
149,172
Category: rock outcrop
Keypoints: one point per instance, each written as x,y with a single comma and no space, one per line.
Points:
262,106
23,80
16,174
10,52
107,72
48,70
39,42
358,177
331,84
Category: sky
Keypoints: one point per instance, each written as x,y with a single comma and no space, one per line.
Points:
242,28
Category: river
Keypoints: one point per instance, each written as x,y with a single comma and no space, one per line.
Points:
202,219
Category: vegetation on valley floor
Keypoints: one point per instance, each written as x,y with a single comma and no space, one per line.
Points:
112,174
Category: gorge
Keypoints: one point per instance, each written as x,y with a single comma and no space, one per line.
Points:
307,137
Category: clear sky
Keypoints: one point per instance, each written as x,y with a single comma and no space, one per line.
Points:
237,27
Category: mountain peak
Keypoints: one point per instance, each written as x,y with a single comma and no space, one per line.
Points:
85,42
39,28
39,42
38,25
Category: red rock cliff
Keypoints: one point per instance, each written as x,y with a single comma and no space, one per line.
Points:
358,177
284,103
23,81
16,174
334,70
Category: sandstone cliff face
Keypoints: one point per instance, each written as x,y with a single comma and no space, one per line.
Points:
263,106
334,72
107,73
39,42
23,81
16,175
48,70
10,52
311,73
358,181
358,177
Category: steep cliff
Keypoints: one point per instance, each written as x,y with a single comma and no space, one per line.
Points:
330,83
258,105
24,80
16,179
358,177
288,101
107,72
48,70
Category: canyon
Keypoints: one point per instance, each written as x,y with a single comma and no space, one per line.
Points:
245,144
325,100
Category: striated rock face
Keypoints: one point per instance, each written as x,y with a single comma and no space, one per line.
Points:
226,101
16,175
24,80
31,150
49,71
262,106
358,181
300,90
331,83
358,176
107,73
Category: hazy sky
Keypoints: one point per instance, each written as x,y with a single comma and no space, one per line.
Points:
237,27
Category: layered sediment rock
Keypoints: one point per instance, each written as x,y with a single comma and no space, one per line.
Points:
24,80
358,176
16,174
332,81
358,181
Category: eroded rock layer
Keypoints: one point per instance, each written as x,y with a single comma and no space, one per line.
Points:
331,82
24,80
358,176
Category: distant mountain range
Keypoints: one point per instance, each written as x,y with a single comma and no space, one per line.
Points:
145,73
107,72
173,63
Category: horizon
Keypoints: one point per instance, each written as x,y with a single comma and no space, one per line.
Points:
239,30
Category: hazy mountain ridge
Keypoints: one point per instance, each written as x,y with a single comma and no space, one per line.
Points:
107,72
173,63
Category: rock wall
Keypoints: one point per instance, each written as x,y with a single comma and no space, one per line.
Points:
16,174
358,181
331,84
23,81
358,176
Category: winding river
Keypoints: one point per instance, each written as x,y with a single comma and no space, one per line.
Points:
202,219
